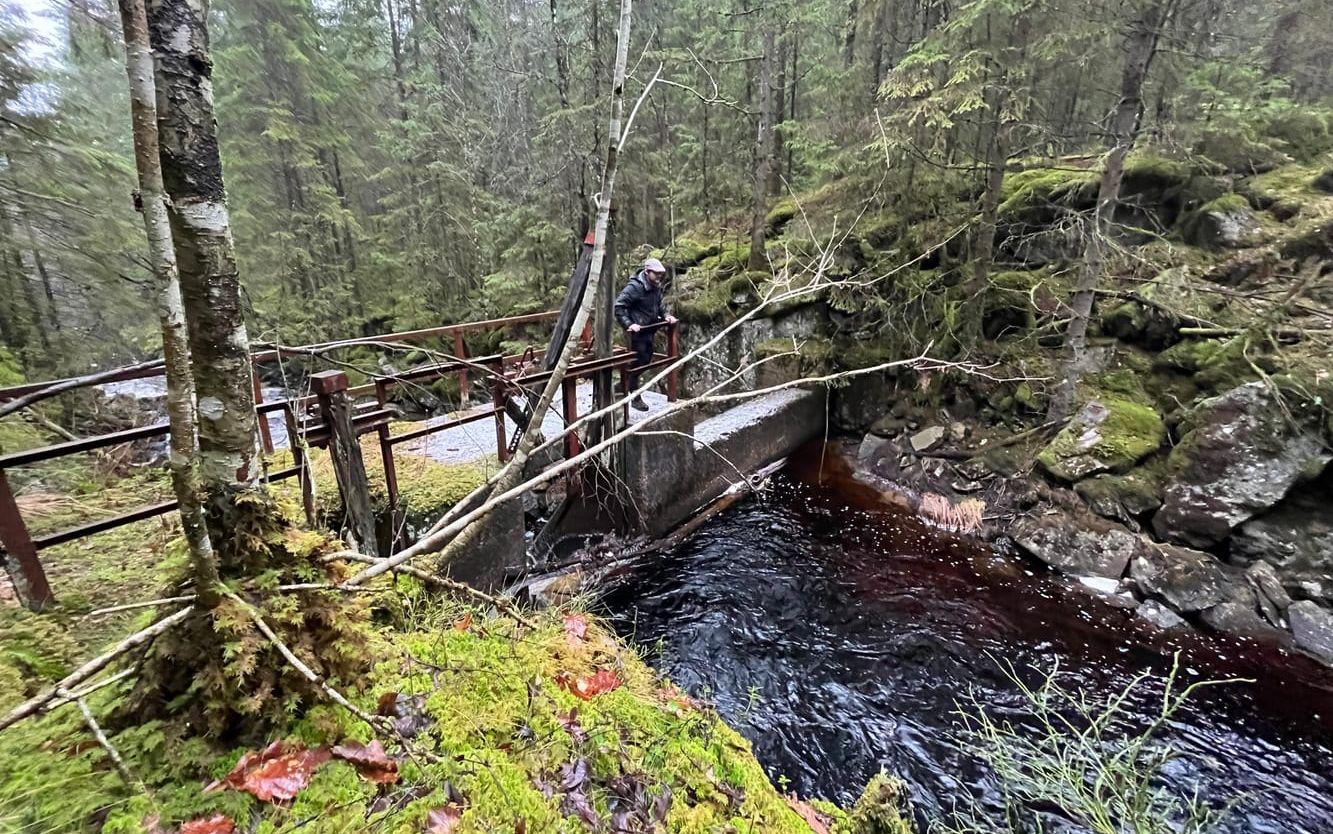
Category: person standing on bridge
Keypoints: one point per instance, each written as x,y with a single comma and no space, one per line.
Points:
639,310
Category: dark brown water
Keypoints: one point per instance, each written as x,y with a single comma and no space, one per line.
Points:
838,640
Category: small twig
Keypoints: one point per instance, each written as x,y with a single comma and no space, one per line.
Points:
38,702
503,605
114,755
130,606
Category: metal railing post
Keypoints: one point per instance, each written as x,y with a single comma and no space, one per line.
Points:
265,434
498,398
350,468
673,351
25,569
304,477
464,385
569,390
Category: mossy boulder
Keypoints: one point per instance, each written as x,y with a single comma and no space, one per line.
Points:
780,214
1234,152
1122,497
684,252
1109,434
1013,300
881,809
1304,133
1227,222
1238,455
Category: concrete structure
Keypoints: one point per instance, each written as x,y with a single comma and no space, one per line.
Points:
677,467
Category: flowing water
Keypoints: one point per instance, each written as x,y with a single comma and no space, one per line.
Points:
839,639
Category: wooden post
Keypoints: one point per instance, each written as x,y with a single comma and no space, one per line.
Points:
349,467
386,456
25,569
673,351
460,352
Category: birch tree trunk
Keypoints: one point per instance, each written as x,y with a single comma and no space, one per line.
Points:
205,254
170,308
1140,47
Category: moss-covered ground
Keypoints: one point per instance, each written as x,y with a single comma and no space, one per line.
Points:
491,723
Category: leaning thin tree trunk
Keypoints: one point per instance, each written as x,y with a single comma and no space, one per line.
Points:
170,308
763,154
1140,47
512,473
210,286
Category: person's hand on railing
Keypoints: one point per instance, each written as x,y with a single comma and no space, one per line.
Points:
671,320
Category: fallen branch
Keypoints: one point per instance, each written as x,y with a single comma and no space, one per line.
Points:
36,703
504,606
63,385
114,755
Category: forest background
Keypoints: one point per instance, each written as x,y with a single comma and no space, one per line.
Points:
394,164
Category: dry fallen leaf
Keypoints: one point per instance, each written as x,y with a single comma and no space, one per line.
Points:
216,824
370,761
443,820
275,773
587,688
818,822
576,627
465,623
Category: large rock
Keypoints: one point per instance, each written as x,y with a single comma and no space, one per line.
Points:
1189,580
1080,544
1312,627
1270,596
1238,458
1295,536
1238,615
1121,497
1106,435
1224,227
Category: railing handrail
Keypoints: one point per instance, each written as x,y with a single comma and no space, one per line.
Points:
269,353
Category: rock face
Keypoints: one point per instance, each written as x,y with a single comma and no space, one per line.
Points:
1121,497
1106,435
1222,229
1084,546
1239,459
1312,627
1296,535
1188,580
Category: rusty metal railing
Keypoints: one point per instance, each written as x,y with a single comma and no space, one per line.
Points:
307,427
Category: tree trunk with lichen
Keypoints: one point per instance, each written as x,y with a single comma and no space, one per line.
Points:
170,308
210,286
1140,47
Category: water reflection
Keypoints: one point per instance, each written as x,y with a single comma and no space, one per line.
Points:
839,640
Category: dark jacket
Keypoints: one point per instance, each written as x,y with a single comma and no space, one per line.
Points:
640,302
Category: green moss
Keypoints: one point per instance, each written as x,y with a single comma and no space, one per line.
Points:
1227,204
1146,168
1092,442
1234,151
497,727
35,650
1304,132
685,252
881,809
1038,186
1124,497
426,488
780,214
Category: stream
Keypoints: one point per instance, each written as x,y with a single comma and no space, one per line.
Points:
839,639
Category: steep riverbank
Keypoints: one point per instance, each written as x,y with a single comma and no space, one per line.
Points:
1192,481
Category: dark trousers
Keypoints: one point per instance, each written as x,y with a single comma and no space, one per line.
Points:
642,345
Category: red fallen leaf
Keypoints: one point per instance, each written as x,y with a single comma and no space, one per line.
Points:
603,680
576,626
818,822
370,761
274,773
443,820
388,704
216,824
465,623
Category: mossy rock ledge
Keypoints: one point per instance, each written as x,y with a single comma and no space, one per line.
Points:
1106,435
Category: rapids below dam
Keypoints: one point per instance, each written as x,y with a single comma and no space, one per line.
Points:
839,639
